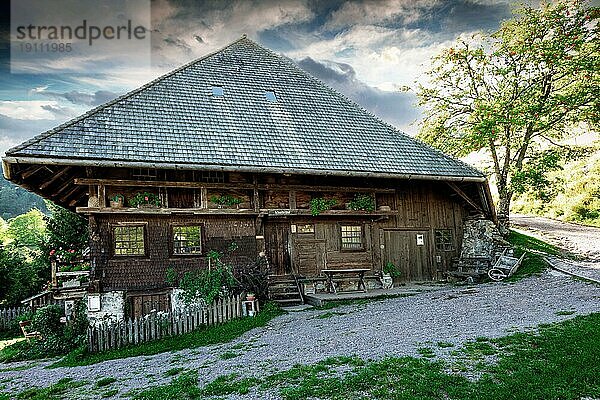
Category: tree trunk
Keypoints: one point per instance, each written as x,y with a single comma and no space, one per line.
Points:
503,210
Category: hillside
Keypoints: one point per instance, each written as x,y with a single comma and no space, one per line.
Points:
578,193
15,200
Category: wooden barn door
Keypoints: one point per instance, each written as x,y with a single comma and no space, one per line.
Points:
409,252
309,255
276,243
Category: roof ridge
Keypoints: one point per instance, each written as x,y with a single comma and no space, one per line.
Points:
362,109
131,93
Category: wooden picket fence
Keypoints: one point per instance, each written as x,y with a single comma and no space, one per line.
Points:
107,336
9,314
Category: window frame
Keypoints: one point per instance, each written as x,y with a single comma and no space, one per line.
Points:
114,226
448,241
172,239
341,227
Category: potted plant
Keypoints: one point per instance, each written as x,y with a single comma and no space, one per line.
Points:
319,204
362,202
145,200
250,296
388,274
117,201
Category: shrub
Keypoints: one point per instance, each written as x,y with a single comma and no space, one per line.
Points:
47,320
253,277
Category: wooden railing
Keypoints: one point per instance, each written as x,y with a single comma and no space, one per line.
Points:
114,335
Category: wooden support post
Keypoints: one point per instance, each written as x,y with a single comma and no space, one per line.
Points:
101,196
255,195
203,198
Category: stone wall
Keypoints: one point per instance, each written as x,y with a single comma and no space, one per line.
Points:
112,307
481,238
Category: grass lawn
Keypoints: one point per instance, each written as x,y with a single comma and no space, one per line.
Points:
560,361
533,263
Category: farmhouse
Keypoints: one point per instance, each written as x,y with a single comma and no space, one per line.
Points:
242,146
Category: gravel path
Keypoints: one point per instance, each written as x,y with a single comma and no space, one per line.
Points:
578,239
394,327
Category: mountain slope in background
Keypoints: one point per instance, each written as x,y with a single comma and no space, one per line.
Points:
15,200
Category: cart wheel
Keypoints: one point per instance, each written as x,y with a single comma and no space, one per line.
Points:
496,275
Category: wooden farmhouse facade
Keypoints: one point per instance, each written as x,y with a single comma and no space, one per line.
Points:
235,148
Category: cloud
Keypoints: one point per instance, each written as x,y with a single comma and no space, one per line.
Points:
392,106
187,29
77,97
14,131
31,110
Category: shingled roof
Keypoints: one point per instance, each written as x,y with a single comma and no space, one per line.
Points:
176,121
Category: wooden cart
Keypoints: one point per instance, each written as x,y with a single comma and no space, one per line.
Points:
504,267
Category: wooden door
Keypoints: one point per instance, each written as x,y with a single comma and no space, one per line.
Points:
276,243
309,255
409,251
144,304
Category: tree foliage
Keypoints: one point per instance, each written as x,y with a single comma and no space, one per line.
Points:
26,243
517,92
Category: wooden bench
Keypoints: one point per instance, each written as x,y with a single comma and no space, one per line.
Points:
28,335
358,272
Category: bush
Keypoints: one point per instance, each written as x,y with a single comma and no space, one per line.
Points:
47,320
254,277
57,338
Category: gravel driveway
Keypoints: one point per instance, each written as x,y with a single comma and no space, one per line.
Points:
393,327
581,240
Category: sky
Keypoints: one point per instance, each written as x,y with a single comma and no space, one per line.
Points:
365,49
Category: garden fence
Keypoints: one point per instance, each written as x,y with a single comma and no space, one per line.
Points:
114,335
9,314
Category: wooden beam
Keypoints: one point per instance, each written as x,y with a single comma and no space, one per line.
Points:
62,188
54,178
249,186
464,196
70,193
27,173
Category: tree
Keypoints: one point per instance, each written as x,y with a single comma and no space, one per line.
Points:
515,93
65,229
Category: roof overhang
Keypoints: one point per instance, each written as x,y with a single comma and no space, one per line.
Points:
6,161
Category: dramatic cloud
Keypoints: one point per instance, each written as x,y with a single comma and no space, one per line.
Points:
392,106
365,49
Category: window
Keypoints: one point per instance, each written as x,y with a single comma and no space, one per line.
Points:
306,228
352,238
217,91
129,240
270,95
187,240
444,240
